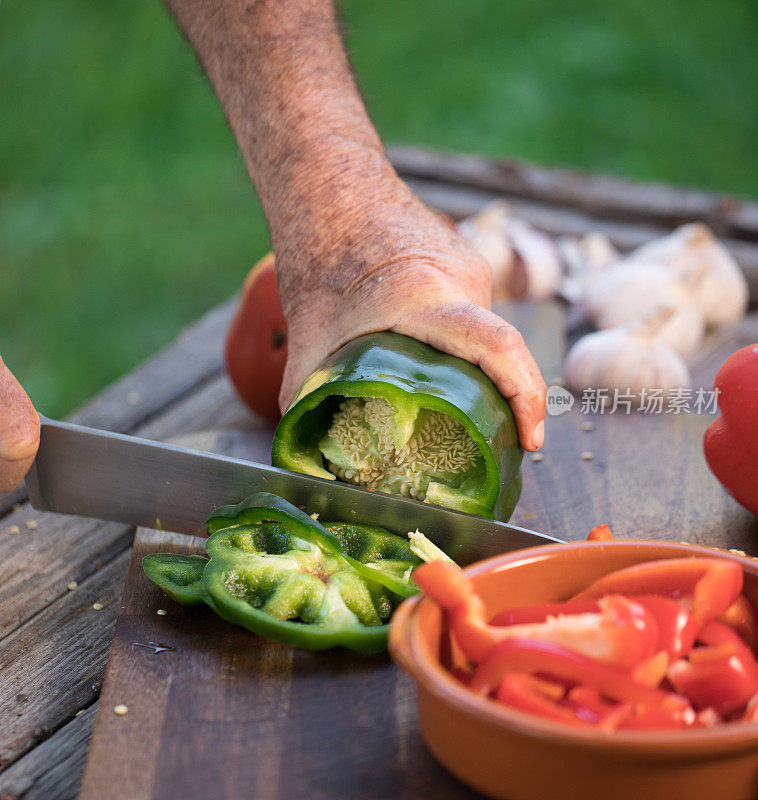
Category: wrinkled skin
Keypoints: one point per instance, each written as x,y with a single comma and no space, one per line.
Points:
19,430
396,266
356,252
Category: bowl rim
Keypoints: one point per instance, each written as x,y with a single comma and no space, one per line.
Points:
407,648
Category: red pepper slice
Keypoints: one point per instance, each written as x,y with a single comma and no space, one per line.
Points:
546,658
676,626
589,704
527,693
723,675
653,669
741,616
622,633
602,533
712,583
539,613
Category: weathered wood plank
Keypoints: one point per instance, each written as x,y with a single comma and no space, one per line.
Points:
52,665
596,194
226,714
461,202
37,563
52,770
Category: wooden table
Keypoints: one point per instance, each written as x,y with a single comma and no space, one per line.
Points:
61,578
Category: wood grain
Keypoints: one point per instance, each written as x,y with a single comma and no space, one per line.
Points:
226,714
593,193
54,768
52,665
462,201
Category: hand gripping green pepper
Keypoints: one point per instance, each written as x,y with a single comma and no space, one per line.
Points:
279,573
395,415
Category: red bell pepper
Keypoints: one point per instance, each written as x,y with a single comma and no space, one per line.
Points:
622,633
602,533
731,441
546,658
722,675
539,613
711,585
676,626
741,616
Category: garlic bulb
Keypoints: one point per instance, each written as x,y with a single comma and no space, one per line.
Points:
628,358
721,291
587,255
627,291
486,232
539,255
524,261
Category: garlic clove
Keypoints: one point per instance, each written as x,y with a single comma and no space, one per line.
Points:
486,231
588,254
628,358
525,262
720,291
626,291
540,258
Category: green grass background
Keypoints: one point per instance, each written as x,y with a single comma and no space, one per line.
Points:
126,211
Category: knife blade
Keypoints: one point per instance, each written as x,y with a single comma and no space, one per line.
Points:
122,478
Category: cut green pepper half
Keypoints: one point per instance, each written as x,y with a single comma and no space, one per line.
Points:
277,572
393,414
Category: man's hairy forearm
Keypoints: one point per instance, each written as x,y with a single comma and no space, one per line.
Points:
282,76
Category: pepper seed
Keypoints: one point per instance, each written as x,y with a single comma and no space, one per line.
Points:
587,455
162,612
31,524
14,529
71,585
98,606
121,710
588,426
537,457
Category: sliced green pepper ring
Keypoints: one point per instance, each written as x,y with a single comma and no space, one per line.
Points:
180,577
416,381
265,507
277,572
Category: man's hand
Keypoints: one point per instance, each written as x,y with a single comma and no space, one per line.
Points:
388,263
355,251
19,431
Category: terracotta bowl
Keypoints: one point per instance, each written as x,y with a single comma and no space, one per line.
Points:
505,753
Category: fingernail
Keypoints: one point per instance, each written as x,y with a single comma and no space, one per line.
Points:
538,436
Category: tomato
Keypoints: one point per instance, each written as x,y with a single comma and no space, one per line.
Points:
256,342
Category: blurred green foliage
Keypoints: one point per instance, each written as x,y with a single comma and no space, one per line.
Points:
126,210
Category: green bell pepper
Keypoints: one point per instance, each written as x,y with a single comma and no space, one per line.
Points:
278,572
393,414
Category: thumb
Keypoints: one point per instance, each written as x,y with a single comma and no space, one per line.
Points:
19,431
471,332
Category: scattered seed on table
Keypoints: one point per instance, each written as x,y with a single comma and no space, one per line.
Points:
14,529
98,606
133,399
15,506
71,585
588,426
121,710
537,457
31,524
79,712
162,612
587,456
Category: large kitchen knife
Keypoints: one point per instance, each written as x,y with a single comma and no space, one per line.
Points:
122,478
